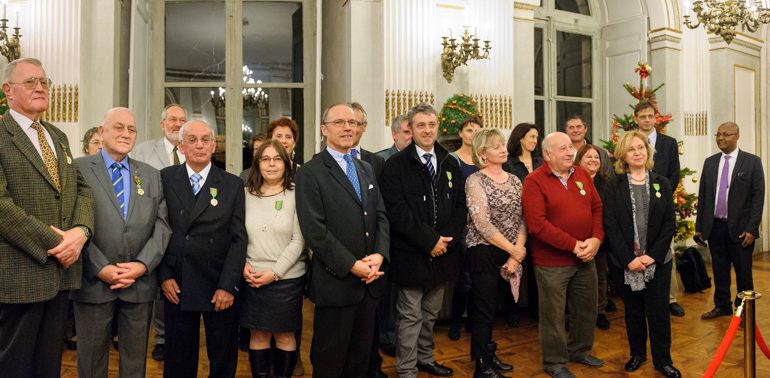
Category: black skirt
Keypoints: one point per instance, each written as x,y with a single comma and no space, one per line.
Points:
276,307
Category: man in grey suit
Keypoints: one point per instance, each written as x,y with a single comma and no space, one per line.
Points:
130,237
402,136
47,218
161,153
731,197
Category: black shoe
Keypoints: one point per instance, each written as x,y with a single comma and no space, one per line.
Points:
559,372
389,349
486,369
590,360
610,306
499,366
259,361
634,362
676,309
454,330
669,371
158,352
602,322
716,312
435,368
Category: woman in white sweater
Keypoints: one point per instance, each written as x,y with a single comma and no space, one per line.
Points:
275,267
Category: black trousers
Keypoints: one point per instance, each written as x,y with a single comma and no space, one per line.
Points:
647,310
725,253
31,337
183,338
342,339
485,262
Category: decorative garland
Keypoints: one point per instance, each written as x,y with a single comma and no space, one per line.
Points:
455,110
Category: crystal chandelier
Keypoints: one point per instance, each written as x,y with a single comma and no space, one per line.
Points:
721,17
252,97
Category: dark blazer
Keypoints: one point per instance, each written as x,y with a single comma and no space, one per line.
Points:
666,159
388,152
415,227
29,205
142,236
619,224
375,161
207,250
517,168
339,229
745,199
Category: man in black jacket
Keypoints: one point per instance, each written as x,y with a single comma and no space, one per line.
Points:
424,195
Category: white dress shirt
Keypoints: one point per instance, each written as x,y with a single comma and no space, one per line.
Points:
204,173
170,152
26,125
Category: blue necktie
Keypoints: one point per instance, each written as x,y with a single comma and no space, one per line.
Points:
352,175
429,166
117,184
354,153
195,180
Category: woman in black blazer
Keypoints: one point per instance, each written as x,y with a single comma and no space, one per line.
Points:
639,224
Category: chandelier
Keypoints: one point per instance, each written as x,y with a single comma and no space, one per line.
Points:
252,97
455,55
721,17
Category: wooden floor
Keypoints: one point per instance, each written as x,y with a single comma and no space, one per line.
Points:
694,343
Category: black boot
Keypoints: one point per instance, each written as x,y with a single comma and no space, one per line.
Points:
283,362
499,366
260,363
485,369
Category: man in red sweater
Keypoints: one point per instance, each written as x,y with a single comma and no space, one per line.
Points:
564,218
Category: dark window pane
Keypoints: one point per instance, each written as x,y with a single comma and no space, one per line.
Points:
278,102
540,117
195,41
573,65
272,41
574,6
565,110
539,62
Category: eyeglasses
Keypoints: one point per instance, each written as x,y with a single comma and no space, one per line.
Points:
193,140
342,122
268,159
31,83
724,135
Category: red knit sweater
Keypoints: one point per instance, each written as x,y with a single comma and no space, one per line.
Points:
557,217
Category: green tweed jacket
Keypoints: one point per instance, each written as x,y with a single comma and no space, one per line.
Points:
29,205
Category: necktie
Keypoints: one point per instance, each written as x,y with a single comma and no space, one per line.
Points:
117,184
176,157
721,210
195,180
429,166
354,153
352,175
49,159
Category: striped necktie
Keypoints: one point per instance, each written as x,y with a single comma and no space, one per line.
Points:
117,184
195,180
429,166
49,159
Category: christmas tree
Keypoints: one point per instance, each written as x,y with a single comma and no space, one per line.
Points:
455,110
684,202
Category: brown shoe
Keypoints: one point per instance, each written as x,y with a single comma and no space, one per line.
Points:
716,312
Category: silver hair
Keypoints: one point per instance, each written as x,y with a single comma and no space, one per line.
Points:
11,67
107,114
395,125
163,114
187,124
421,108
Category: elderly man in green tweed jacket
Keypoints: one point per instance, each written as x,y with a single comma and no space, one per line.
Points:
47,217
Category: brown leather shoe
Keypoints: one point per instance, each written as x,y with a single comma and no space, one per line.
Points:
716,312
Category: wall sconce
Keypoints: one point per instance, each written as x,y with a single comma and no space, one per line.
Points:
10,46
455,55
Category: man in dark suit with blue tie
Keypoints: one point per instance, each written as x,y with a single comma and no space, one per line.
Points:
666,159
202,269
342,217
730,201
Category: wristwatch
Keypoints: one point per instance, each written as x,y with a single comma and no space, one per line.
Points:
86,231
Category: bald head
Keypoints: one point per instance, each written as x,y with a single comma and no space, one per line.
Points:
558,152
727,137
118,132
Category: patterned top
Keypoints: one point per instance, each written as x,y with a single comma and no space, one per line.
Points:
493,207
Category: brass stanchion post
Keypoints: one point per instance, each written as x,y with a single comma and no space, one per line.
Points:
749,327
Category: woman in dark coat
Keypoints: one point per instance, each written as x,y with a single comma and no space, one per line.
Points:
639,223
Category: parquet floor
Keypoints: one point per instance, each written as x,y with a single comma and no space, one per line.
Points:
694,343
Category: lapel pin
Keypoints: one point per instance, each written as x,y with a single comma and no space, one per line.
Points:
213,192
580,186
138,183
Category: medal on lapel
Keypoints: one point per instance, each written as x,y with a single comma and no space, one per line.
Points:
657,189
449,178
278,205
138,183
580,186
213,192
66,153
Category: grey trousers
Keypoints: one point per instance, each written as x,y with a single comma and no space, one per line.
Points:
416,310
158,321
559,287
94,323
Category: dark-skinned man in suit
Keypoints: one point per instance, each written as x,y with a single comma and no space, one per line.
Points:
47,219
731,197
342,217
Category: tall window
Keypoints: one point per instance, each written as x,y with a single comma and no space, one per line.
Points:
239,75
566,72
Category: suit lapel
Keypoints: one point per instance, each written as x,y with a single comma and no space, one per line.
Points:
100,172
160,152
22,142
204,196
625,194
363,181
654,199
336,172
181,187
132,186
738,162
63,158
